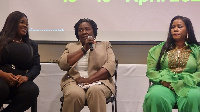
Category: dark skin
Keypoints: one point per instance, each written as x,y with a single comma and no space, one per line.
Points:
9,77
179,33
85,30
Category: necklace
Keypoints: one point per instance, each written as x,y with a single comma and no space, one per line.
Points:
18,41
178,59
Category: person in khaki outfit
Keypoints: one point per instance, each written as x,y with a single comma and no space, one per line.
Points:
86,66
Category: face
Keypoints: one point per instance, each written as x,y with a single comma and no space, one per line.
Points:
85,30
22,27
179,30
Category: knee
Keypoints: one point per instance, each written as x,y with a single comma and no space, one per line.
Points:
153,95
74,94
193,95
29,89
158,95
94,90
34,90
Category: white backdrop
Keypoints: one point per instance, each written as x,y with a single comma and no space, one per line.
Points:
117,20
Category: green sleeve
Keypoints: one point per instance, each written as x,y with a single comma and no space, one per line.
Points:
196,52
152,60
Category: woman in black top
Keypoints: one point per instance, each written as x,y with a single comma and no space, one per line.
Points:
19,64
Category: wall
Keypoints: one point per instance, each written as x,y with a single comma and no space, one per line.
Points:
126,54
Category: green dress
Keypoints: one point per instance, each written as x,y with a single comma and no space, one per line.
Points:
180,81
182,69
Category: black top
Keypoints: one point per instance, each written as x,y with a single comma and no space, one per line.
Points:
24,56
18,54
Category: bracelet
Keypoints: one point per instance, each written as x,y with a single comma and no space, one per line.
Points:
83,50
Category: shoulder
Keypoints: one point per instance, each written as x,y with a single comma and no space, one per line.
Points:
105,43
33,43
73,44
157,47
195,48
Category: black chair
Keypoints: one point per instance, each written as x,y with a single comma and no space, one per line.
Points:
33,107
112,99
175,106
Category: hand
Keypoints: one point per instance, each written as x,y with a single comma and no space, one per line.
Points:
21,79
81,80
167,84
10,78
88,43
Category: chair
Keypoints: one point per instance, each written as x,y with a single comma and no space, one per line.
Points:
112,99
33,107
175,106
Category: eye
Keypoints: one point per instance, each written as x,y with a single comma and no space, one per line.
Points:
88,29
23,22
173,27
180,26
80,30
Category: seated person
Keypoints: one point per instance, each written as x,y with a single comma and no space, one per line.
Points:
19,64
84,66
174,68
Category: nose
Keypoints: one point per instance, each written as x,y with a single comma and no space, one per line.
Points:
176,29
84,31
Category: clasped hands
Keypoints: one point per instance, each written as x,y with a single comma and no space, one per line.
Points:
83,81
167,84
15,80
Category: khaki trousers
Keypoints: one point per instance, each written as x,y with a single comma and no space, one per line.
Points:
75,97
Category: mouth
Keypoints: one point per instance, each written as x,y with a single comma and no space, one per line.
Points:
24,30
85,37
176,34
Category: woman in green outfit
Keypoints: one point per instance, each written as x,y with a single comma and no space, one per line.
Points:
174,68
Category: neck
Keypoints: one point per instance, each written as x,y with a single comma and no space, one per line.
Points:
180,44
17,39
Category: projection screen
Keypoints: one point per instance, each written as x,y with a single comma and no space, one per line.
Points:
117,20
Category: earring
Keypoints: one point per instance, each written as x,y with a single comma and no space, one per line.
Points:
187,36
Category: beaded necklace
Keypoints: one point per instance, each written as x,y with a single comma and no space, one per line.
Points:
18,41
178,58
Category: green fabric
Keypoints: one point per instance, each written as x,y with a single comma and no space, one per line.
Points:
181,82
159,99
162,99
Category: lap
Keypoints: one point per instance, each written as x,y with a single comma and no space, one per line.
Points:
193,96
74,89
160,92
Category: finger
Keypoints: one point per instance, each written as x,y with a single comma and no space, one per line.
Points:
20,80
13,77
19,83
12,83
18,76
